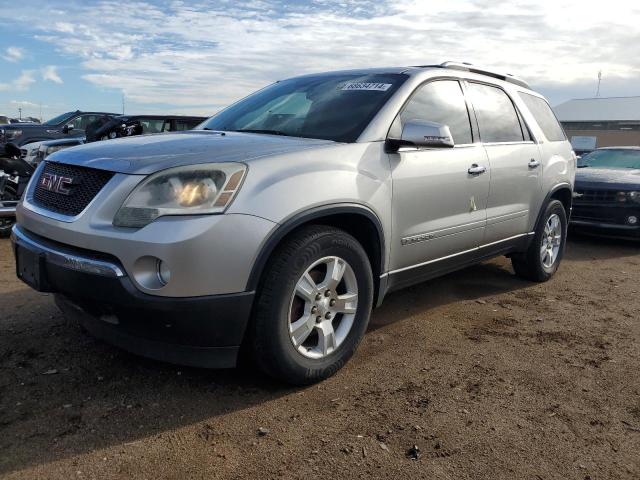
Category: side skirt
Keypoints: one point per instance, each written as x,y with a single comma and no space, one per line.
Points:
398,279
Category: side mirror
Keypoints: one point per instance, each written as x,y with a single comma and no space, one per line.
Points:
67,128
421,133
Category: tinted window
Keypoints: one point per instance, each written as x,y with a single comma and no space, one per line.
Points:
83,121
59,119
333,107
545,117
186,124
441,102
497,117
154,126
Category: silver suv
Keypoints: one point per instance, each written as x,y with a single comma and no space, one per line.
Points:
278,224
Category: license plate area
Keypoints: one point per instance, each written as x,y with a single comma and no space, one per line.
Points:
31,268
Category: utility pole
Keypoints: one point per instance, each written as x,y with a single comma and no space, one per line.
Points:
41,111
123,103
20,113
599,80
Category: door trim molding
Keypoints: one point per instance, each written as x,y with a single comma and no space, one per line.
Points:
475,249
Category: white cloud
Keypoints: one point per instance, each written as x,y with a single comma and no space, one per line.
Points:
50,72
201,56
25,104
23,82
13,54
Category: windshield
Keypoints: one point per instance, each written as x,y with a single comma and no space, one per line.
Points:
611,158
59,119
332,107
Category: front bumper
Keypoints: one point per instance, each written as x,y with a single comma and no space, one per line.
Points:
606,219
204,331
206,254
8,208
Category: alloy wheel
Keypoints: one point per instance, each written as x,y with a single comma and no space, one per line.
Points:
323,307
551,241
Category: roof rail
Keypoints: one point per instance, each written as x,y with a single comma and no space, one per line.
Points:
467,67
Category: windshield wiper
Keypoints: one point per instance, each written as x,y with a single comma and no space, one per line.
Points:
267,132
583,166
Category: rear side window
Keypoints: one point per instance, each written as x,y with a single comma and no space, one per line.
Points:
545,117
497,117
442,102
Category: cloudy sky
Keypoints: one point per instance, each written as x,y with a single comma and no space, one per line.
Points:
197,56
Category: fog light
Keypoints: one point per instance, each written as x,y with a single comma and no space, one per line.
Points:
164,274
151,272
632,220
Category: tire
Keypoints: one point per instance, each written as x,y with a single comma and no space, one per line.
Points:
6,223
287,301
540,262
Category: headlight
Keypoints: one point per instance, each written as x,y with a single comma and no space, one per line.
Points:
52,149
629,197
11,134
190,190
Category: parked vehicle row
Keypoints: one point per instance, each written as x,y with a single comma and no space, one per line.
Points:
5,120
18,162
279,223
113,127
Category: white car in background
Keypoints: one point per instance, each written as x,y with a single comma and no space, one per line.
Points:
34,153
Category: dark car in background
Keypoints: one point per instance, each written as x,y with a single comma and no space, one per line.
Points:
70,124
606,197
128,125
116,127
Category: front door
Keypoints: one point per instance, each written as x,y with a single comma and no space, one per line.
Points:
438,205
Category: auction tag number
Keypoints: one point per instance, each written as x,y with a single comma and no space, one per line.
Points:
373,87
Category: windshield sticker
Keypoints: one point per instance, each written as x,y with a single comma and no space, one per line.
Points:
373,87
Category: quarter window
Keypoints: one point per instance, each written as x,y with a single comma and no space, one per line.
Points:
545,117
497,117
442,102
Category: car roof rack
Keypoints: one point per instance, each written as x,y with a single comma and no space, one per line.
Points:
468,67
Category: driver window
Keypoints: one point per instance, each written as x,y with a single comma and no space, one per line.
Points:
81,122
442,102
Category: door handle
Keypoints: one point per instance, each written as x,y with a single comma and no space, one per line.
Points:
533,163
476,169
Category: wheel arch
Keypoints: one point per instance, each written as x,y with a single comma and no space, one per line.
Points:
357,220
562,192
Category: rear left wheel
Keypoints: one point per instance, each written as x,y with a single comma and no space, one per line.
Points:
543,257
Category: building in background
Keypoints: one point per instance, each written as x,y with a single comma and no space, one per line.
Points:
592,123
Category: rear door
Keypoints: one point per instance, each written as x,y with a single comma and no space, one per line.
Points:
438,206
515,162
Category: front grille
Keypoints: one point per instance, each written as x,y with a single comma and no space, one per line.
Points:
85,185
596,196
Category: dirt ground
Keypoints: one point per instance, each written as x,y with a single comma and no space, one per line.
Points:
489,376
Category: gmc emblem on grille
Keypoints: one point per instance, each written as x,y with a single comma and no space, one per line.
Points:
56,183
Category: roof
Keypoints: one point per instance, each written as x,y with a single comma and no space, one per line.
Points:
460,66
610,109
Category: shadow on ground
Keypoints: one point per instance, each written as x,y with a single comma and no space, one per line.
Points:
63,393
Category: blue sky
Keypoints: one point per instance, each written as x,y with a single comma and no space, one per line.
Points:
197,57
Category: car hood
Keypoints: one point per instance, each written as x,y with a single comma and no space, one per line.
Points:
145,154
607,178
30,126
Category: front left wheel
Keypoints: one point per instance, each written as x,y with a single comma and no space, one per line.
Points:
313,305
